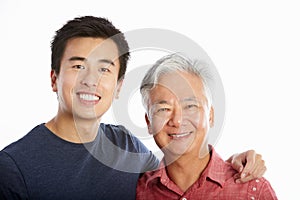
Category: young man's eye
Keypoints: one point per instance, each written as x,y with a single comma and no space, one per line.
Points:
79,67
104,69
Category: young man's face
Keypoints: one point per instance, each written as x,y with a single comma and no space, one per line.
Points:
178,113
87,81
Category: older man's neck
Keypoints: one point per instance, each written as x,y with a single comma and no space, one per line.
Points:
186,170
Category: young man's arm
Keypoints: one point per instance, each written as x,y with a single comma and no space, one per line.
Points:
249,164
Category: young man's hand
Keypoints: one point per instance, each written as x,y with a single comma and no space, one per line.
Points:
249,165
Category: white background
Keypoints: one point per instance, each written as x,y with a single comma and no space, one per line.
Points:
255,46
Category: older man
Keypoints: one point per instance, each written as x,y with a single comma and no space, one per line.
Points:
179,115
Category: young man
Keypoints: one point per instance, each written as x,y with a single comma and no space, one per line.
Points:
74,156
178,99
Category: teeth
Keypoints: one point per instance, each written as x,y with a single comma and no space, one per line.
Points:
179,135
88,97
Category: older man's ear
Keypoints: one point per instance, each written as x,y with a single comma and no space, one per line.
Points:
211,117
148,124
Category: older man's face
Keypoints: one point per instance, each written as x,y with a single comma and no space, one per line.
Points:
178,114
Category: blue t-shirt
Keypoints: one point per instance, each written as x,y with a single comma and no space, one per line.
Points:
43,166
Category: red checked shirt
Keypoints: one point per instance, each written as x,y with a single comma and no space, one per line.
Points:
216,182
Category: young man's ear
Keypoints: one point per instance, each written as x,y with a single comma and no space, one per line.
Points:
211,117
148,124
53,81
118,89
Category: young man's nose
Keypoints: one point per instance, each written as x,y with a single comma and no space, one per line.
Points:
89,78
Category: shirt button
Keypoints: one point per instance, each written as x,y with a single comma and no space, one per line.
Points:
254,188
252,198
257,181
184,198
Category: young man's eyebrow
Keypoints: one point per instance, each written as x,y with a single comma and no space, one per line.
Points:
77,58
107,61
74,58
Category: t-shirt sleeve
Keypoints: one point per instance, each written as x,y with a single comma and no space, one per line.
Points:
146,157
12,185
151,163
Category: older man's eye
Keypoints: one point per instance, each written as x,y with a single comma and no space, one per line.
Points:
163,109
192,106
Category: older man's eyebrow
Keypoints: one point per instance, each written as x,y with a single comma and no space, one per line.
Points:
190,99
195,100
161,102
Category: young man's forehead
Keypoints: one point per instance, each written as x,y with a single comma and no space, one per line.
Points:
89,49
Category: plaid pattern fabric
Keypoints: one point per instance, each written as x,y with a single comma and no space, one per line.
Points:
216,182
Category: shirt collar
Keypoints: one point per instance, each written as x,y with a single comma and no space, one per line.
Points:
214,171
215,168
158,173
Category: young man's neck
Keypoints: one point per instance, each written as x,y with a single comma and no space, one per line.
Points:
186,170
76,131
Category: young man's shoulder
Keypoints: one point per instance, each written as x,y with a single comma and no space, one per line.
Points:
123,138
12,158
25,142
